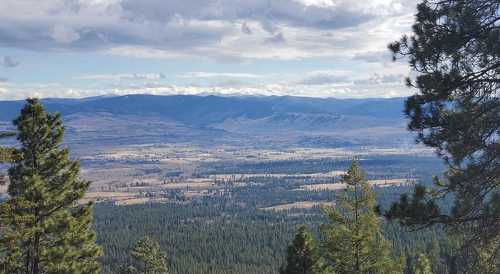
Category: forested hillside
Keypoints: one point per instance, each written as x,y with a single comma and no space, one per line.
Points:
217,236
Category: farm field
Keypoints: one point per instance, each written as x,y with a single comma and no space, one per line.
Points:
162,173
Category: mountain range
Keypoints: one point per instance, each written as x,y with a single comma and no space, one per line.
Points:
280,120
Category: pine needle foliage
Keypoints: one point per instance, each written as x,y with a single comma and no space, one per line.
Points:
43,227
148,258
303,255
354,241
454,52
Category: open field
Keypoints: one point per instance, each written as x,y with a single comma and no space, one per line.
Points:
108,196
298,205
134,174
119,198
137,201
140,162
242,176
178,154
377,183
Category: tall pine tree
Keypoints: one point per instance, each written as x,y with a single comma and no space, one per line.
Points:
304,256
148,258
354,240
455,54
44,229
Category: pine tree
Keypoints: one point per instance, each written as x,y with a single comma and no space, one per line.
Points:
455,53
354,240
303,255
423,265
148,258
44,229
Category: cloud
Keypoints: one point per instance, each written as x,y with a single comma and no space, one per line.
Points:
268,26
246,29
342,14
289,37
347,85
374,56
201,74
325,77
64,35
226,30
9,62
277,38
377,79
339,84
346,78
124,76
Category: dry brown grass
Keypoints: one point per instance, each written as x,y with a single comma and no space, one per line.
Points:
297,205
378,183
138,201
107,196
240,176
392,182
189,185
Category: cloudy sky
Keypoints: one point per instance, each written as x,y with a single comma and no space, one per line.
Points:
320,48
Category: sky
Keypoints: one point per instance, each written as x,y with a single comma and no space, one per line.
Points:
313,48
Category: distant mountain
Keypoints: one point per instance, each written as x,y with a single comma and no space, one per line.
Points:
150,118
202,110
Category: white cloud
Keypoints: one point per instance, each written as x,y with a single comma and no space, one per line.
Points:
340,85
123,76
377,79
374,56
277,38
319,3
202,74
323,77
64,35
354,33
218,29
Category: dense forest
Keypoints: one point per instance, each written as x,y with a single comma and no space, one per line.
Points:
220,236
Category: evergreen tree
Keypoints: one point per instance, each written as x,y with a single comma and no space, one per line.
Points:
148,258
44,229
303,255
455,52
423,265
354,240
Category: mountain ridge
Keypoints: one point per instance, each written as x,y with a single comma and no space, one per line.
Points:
208,109
279,120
